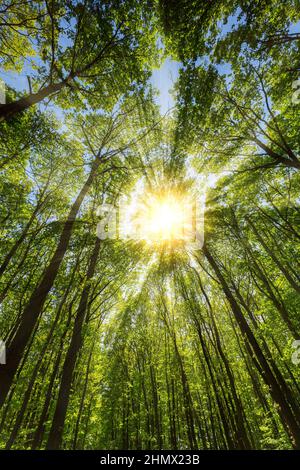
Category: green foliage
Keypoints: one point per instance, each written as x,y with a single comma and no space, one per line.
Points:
140,346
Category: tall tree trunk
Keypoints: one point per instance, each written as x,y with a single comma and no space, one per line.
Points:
11,283
56,431
37,436
289,162
157,422
269,290
267,374
187,399
35,305
22,237
82,399
241,434
10,109
274,258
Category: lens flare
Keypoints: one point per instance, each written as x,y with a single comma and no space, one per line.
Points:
163,219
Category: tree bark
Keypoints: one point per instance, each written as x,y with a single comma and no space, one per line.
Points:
56,431
35,305
267,374
20,240
10,109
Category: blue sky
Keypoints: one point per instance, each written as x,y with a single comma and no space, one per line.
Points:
163,79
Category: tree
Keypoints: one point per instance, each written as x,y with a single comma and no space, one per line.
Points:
80,46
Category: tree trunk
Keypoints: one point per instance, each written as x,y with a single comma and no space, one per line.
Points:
274,258
20,240
10,109
56,431
267,374
35,305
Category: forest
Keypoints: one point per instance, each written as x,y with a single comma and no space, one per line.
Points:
150,332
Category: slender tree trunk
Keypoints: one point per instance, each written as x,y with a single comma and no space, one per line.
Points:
39,432
10,109
274,258
267,374
18,242
187,400
82,399
56,431
35,305
269,288
86,380
241,433
29,389
289,162
157,423
10,284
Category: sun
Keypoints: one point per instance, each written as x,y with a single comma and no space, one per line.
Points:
163,219
169,216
